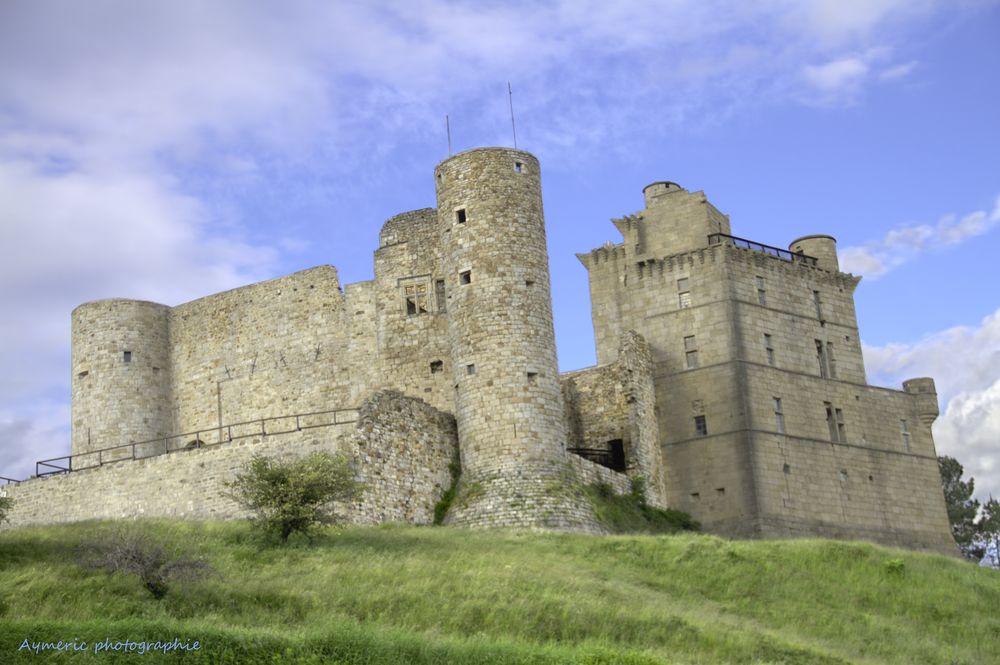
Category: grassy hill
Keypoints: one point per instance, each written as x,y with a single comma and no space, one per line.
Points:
407,595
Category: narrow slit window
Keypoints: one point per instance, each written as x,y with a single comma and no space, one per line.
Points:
841,427
460,216
127,356
700,426
683,293
905,431
769,349
818,304
465,277
779,416
439,295
821,359
830,362
761,291
831,422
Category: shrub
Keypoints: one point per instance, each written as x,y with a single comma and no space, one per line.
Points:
133,552
6,503
290,497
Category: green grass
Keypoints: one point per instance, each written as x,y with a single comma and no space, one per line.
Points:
406,595
629,513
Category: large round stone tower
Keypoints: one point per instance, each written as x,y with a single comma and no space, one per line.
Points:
508,402
121,374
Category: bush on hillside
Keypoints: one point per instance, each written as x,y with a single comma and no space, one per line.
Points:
293,497
133,552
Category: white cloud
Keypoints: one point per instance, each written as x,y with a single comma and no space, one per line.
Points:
897,71
965,363
836,76
906,243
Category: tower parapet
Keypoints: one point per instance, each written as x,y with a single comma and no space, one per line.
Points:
121,374
925,393
822,247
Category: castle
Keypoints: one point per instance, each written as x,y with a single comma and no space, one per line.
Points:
730,380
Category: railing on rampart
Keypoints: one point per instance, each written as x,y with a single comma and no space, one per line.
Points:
8,481
204,438
743,243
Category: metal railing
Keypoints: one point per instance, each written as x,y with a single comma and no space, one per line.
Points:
203,438
777,252
8,481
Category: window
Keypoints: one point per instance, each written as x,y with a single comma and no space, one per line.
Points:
821,359
905,431
415,298
818,304
769,349
691,352
439,295
831,423
830,364
835,423
127,356
700,426
465,277
470,369
518,167
532,377
683,293
761,292
779,416
437,366
460,215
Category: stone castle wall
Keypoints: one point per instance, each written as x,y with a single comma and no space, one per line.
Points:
403,447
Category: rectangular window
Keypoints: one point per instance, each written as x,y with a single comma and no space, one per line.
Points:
437,366
779,416
465,277
470,369
830,363
700,426
691,352
127,356
821,359
518,167
439,295
841,427
415,298
831,422
905,431
761,292
460,215
683,293
769,349
818,304
532,377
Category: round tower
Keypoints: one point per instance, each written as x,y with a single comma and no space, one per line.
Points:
508,402
121,376
823,248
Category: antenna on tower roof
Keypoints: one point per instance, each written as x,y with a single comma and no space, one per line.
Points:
510,99
447,128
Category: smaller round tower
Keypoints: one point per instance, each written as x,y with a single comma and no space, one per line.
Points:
508,401
121,374
823,248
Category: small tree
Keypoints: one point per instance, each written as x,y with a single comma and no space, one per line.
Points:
6,503
988,526
962,508
133,552
293,496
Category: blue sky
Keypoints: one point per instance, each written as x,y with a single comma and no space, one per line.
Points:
168,150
